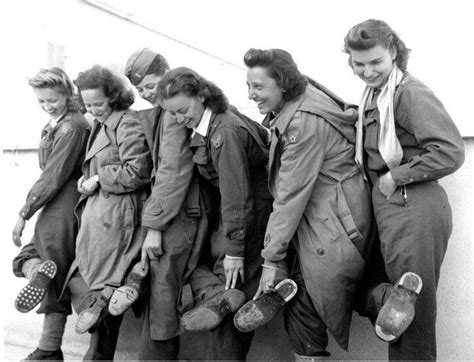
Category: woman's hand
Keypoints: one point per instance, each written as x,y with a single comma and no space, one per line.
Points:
89,186
151,247
267,280
18,231
233,267
386,185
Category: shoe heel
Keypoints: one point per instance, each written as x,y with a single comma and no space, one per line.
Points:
411,281
286,289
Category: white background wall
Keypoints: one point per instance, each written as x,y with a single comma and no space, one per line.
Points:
439,32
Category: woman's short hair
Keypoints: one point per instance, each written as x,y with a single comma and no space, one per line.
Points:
99,77
371,33
57,78
187,81
281,67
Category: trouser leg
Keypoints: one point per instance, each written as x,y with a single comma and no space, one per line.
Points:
52,332
306,330
225,342
153,349
30,267
103,340
414,237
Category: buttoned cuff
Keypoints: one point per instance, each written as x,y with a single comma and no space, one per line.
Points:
27,211
235,248
274,250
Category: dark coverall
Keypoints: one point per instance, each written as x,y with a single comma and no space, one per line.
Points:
61,153
174,207
232,158
415,222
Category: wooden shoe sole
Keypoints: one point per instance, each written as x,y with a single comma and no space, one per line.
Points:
398,311
122,299
256,313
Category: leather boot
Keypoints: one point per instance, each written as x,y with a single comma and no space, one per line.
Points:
90,317
256,313
42,355
398,311
211,313
127,294
33,293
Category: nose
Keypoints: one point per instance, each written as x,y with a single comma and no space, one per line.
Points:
251,94
368,71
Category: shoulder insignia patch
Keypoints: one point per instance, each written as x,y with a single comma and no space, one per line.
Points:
217,141
65,128
293,135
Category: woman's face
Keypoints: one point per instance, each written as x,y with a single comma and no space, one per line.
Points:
187,110
52,100
96,103
264,90
373,65
148,88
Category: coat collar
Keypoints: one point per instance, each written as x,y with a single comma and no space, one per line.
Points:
319,102
99,141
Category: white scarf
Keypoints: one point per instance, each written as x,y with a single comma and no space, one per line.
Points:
388,143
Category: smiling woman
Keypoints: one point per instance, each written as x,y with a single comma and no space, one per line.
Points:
116,174
230,152
46,259
406,141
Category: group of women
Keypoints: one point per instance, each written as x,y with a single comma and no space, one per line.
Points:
190,212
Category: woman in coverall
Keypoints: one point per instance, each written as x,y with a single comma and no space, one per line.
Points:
406,141
322,204
230,152
173,215
116,173
47,258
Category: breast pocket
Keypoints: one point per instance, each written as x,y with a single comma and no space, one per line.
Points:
371,134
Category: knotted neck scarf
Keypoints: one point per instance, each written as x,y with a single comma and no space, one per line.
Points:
388,143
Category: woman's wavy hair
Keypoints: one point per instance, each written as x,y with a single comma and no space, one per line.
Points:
187,81
56,78
281,67
371,33
99,77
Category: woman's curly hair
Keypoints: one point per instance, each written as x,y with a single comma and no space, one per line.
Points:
281,67
57,78
371,33
187,81
99,77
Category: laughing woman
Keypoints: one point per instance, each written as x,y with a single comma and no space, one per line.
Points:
406,141
116,173
46,259
321,206
230,152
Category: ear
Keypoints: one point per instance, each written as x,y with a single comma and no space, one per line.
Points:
201,98
393,52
